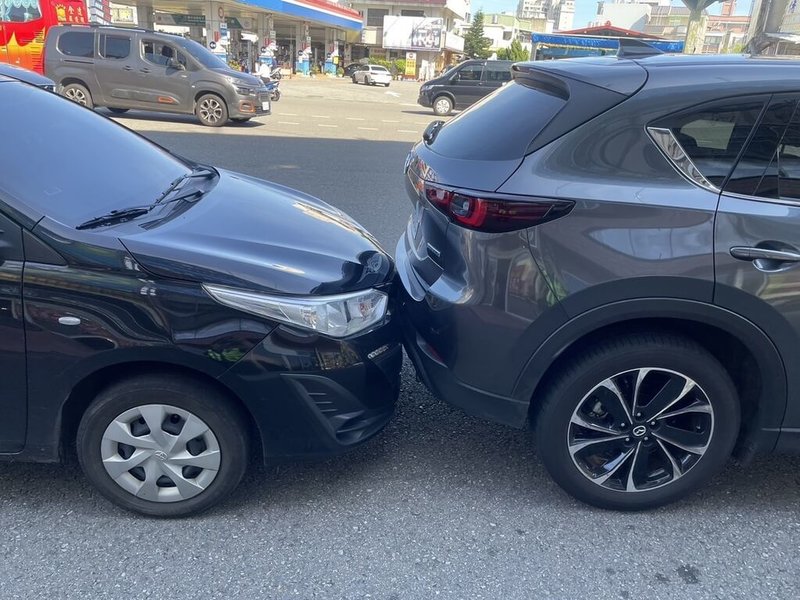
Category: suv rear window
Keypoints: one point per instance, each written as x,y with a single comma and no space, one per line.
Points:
499,127
77,43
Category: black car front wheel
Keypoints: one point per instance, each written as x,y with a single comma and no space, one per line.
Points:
163,445
638,422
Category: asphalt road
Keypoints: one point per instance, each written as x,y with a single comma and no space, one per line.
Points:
440,505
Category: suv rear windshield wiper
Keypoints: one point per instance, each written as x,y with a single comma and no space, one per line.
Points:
126,214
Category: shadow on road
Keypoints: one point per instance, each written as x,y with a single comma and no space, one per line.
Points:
172,118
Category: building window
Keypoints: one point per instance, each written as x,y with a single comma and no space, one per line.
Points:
507,35
412,13
375,16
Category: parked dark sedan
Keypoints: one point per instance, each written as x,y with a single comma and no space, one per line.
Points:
170,318
27,76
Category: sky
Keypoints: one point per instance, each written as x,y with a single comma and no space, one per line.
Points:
585,10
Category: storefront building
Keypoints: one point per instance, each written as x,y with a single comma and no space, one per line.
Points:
303,36
421,32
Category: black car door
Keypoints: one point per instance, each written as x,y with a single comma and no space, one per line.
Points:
13,395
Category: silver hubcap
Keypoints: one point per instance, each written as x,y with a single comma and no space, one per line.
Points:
211,110
442,105
160,453
640,429
76,95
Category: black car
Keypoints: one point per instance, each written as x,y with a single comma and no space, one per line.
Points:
26,76
169,319
350,69
463,85
607,250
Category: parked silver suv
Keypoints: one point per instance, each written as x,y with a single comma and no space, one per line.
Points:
124,69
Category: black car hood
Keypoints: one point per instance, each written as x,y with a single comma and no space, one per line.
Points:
247,233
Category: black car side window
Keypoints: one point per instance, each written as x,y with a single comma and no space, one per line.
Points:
756,174
470,73
704,143
10,240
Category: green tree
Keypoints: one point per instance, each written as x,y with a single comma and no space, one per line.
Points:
516,53
475,44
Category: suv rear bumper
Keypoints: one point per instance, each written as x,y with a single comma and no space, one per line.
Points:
440,380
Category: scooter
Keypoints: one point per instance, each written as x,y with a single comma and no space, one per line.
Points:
276,73
274,92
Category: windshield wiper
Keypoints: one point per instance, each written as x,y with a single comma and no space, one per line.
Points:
199,172
115,216
126,214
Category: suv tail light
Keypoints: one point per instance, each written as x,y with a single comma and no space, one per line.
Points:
494,213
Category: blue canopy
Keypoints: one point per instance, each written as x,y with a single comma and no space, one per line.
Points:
600,43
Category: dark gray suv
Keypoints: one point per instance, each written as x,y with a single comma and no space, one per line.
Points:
124,69
607,250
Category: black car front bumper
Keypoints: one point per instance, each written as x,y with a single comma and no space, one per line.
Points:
314,396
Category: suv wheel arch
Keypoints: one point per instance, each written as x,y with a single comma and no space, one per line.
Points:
764,397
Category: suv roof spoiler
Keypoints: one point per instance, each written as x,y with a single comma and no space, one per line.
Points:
633,48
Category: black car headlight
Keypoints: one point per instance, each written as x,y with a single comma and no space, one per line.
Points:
336,316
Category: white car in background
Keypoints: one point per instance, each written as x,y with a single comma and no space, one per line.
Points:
372,74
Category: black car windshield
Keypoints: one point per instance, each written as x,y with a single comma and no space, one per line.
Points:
202,54
66,162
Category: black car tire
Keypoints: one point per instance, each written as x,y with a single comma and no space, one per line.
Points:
211,110
584,384
118,111
79,94
442,106
354,79
387,85
368,81
222,417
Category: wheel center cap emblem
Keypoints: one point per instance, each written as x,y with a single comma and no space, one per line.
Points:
160,455
639,430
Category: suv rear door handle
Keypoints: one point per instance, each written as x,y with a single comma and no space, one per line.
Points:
145,70
751,253
127,68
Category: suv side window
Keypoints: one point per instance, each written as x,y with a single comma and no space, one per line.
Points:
77,43
709,137
470,73
497,73
756,174
159,53
115,46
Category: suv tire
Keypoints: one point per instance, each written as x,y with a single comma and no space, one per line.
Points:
79,94
628,402
211,110
140,422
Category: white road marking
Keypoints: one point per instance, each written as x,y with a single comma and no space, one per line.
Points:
407,131
320,116
388,121
287,123
354,119
406,104
324,125
369,128
289,114
395,94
